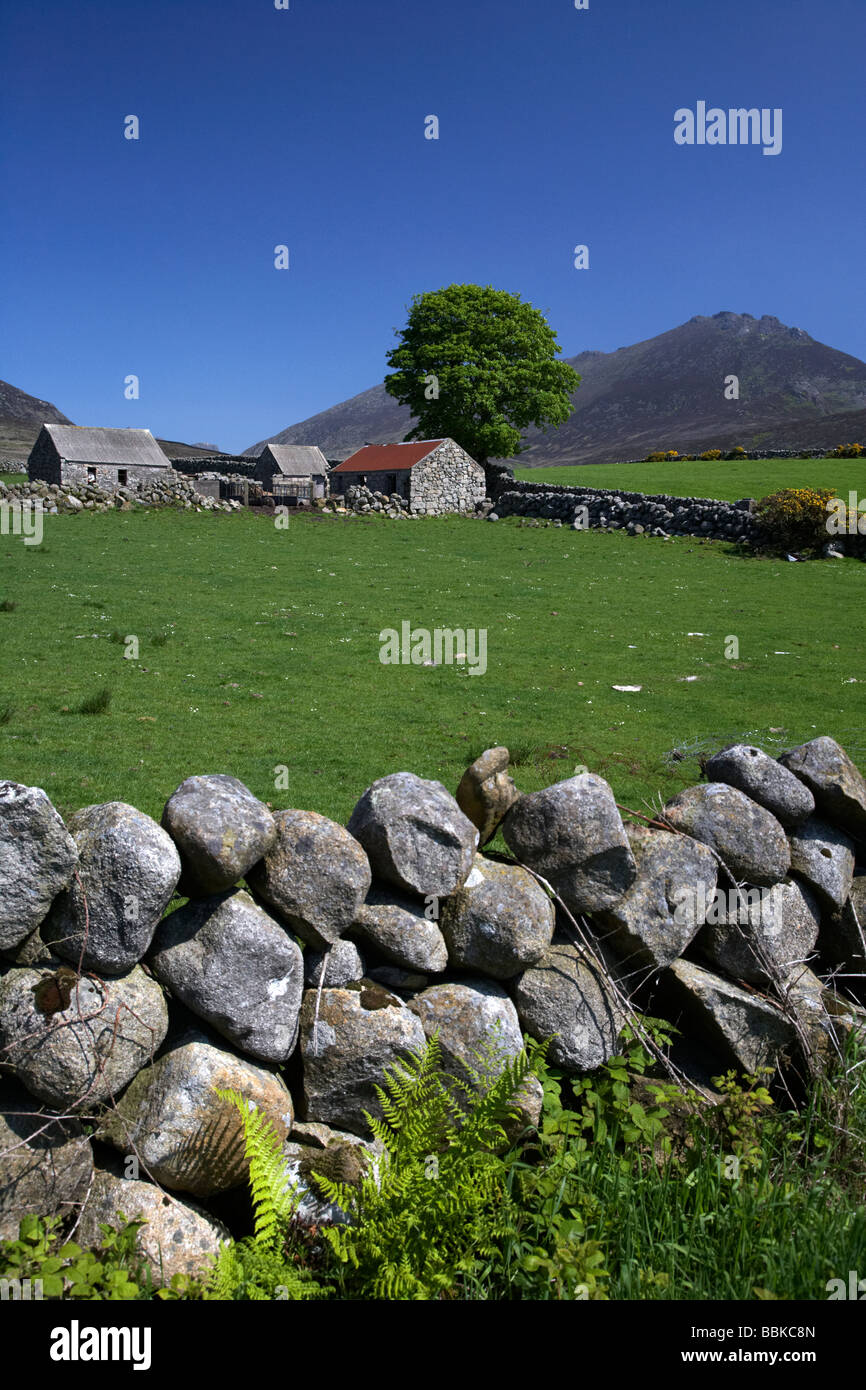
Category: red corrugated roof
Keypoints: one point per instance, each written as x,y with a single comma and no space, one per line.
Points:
387,458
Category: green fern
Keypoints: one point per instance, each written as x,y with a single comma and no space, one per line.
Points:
258,1267
429,1216
226,1275
435,1210
273,1197
249,1272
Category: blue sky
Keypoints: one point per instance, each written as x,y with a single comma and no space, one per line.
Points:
305,127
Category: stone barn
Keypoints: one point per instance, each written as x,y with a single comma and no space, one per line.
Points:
105,458
293,470
434,475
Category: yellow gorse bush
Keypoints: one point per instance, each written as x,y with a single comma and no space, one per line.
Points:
796,517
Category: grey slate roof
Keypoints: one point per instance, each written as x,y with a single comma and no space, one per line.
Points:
296,460
92,444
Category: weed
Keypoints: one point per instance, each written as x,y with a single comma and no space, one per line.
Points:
97,703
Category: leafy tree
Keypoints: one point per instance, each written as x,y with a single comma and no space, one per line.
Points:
478,364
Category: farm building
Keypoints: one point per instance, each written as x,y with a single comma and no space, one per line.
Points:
108,458
293,470
434,475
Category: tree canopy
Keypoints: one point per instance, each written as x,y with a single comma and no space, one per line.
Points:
479,365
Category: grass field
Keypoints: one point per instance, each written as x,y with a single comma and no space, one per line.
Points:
259,649
726,481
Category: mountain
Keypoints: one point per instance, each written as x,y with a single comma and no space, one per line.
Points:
21,417
173,448
373,417
664,393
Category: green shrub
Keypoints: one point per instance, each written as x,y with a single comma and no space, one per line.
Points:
796,518
615,1120
115,1271
738,1119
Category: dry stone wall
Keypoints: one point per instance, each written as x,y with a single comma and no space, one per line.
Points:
292,959
635,512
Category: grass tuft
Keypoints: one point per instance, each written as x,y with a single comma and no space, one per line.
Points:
96,704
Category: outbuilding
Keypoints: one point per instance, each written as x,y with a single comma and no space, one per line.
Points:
298,471
434,475
85,455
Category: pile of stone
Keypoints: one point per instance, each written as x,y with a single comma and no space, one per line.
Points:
309,957
364,500
169,490
212,476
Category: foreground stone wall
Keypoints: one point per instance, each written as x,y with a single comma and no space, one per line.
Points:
308,957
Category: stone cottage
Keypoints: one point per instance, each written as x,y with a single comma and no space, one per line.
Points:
106,458
296,470
434,475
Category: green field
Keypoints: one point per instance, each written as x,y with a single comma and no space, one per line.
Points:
726,481
259,649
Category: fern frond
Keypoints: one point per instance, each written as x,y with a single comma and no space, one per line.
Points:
249,1272
225,1275
274,1198
440,1206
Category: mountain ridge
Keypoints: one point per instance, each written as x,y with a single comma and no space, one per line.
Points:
665,392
